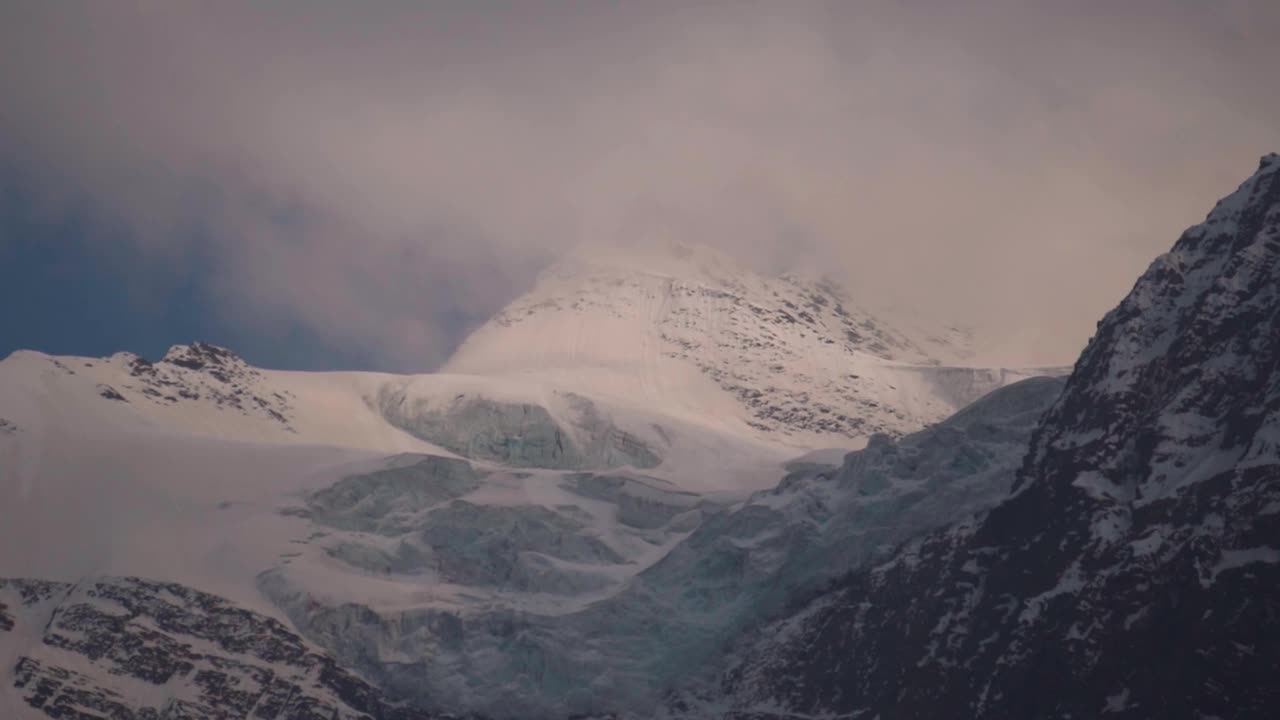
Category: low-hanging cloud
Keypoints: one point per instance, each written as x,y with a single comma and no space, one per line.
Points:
386,175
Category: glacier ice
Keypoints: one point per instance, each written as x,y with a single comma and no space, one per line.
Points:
659,626
385,501
519,434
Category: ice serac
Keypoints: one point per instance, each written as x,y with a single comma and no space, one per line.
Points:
1134,571
386,501
421,519
523,434
789,359
576,621
129,648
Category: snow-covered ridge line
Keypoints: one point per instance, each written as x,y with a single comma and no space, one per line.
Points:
206,390
589,418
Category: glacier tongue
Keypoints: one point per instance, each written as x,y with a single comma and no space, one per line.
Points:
598,597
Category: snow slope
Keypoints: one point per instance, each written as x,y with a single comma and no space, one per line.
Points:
202,471
204,449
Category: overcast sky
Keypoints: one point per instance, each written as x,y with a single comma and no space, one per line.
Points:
358,184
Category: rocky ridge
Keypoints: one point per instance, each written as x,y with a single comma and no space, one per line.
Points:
195,372
1133,572
128,649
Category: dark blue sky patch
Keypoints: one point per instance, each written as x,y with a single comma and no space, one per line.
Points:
70,284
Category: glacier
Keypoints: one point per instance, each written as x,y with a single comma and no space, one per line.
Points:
657,628
554,528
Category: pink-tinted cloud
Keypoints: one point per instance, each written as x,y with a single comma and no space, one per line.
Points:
387,174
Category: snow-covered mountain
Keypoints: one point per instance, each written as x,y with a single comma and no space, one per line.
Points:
202,391
586,515
1133,572
673,361
459,573
457,536
788,359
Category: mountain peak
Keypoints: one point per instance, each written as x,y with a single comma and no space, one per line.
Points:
687,326
201,355
1188,354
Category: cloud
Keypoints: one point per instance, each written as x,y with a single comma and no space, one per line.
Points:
386,176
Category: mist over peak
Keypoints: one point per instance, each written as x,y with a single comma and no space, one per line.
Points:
366,178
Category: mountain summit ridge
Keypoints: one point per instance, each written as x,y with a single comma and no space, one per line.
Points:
685,326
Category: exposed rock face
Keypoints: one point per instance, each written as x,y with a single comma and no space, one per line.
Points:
1134,572
131,649
200,372
770,333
